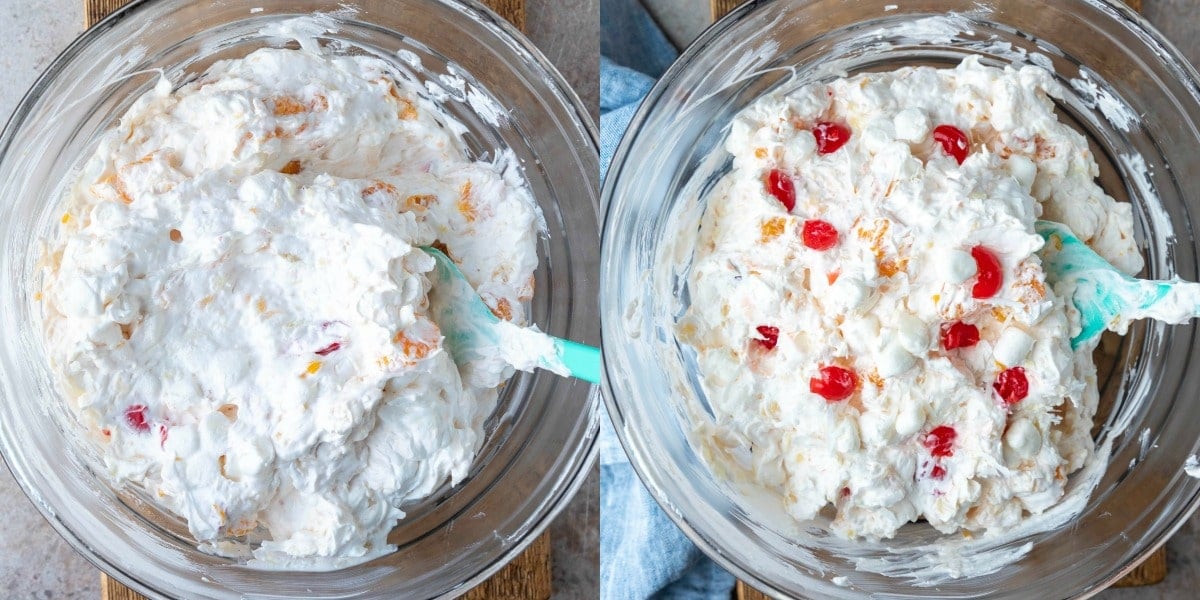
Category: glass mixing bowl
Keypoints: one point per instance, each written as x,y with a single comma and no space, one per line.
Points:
1126,88
540,441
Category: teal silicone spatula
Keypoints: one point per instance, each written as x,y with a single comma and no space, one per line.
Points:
472,330
1105,297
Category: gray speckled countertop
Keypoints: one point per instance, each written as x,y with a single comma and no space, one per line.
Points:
34,562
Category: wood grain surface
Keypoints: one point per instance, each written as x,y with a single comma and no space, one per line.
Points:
527,577
1150,571
94,10
512,10
721,8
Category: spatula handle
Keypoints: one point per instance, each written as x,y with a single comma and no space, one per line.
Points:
582,360
1173,302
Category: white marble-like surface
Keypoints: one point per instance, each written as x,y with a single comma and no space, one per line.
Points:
35,563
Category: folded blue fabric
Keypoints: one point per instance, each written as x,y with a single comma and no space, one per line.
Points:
630,37
642,553
621,92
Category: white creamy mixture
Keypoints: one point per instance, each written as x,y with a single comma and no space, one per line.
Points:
888,349
237,310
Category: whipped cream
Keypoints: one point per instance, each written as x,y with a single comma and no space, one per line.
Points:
934,423
236,305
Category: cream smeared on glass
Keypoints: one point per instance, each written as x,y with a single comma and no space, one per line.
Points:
236,306
871,320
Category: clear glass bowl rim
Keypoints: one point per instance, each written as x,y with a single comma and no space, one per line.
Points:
587,140
638,449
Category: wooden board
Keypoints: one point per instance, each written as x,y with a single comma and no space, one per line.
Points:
721,8
527,577
1150,571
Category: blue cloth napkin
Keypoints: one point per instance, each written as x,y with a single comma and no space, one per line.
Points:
642,553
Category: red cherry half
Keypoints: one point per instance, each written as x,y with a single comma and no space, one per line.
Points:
819,235
833,383
770,337
989,275
953,141
940,441
781,187
959,335
830,136
1012,385
135,416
